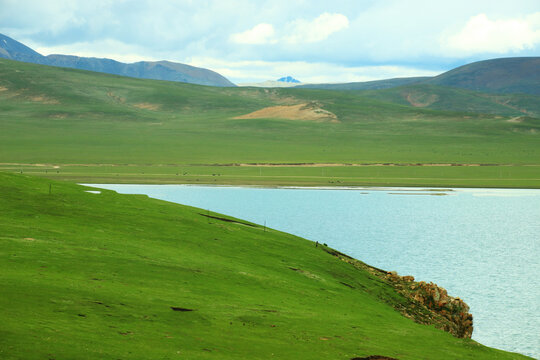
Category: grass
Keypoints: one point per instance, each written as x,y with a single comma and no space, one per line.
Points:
64,117
91,276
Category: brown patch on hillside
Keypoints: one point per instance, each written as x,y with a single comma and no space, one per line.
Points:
147,106
58,116
44,99
3,88
418,99
116,98
306,111
515,120
508,104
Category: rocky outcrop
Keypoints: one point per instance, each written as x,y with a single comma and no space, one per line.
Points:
425,303
436,299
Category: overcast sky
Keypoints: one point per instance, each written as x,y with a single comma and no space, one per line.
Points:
311,40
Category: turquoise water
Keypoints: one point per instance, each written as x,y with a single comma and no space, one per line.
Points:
482,245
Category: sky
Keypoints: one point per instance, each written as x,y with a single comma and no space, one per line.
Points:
312,40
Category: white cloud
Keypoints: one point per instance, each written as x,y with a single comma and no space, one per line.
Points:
319,29
307,72
260,34
295,32
483,35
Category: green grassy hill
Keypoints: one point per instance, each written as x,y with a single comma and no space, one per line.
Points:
109,276
86,126
460,100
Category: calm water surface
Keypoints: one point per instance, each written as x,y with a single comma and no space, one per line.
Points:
482,245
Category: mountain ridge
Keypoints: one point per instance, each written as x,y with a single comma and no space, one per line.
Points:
157,70
501,75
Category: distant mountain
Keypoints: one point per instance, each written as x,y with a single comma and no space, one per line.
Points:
504,76
286,81
158,70
501,76
14,50
367,85
289,79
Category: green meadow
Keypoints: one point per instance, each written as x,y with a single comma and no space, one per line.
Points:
110,276
90,127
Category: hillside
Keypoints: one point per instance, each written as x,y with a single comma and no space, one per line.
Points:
505,75
159,70
497,76
367,85
87,126
455,99
102,275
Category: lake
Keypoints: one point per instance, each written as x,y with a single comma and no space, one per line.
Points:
482,245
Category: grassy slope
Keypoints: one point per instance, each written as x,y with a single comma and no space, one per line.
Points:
61,116
447,98
91,276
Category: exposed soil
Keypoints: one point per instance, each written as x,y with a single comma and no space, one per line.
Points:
43,99
421,100
147,106
306,273
516,119
513,107
58,116
118,99
3,88
306,111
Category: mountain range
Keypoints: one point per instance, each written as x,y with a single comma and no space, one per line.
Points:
496,76
158,70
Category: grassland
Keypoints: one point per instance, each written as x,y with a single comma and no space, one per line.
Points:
95,276
91,127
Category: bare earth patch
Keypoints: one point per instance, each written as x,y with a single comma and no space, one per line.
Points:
44,99
118,99
421,99
516,119
58,116
3,88
147,106
308,112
